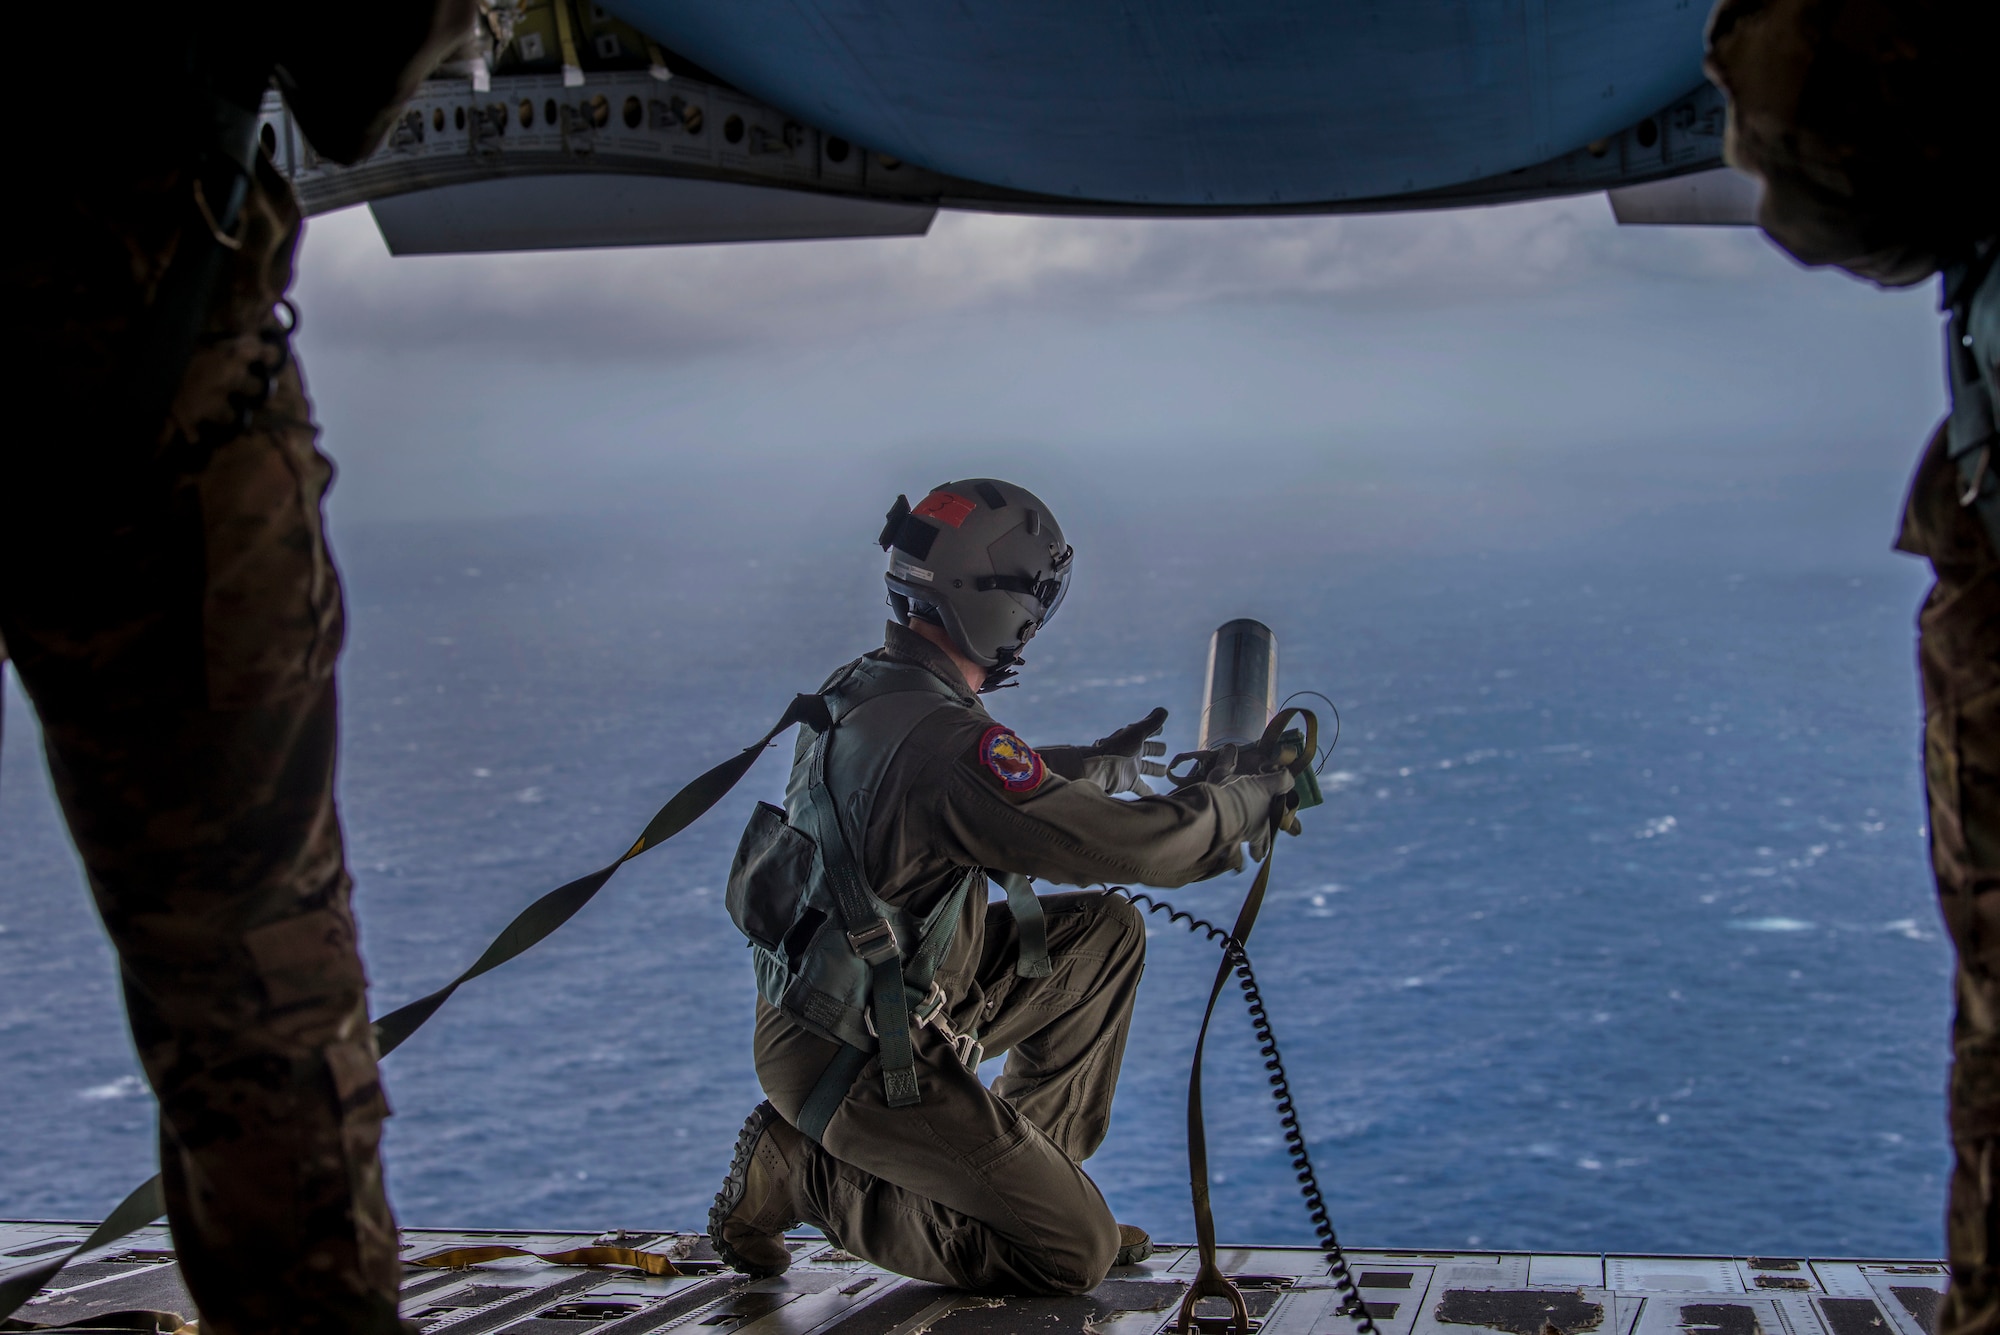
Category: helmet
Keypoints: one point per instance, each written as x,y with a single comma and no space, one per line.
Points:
985,560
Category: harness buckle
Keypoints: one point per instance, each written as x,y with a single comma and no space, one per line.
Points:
931,1010
875,943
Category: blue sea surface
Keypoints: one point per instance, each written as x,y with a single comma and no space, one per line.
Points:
1615,932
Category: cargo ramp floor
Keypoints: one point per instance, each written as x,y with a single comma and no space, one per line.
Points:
136,1285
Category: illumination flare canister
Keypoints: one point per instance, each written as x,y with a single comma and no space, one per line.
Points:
1242,690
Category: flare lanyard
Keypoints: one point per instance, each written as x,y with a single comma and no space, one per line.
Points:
1209,1280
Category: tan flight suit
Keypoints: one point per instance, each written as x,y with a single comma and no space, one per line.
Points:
174,614
975,1188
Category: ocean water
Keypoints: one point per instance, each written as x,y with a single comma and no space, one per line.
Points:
1615,931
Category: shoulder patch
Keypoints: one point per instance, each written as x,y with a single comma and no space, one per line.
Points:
1010,760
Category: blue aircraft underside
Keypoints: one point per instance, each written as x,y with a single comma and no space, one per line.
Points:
1201,102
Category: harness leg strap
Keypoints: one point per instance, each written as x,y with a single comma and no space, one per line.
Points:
826,1097
892,1032
1026,906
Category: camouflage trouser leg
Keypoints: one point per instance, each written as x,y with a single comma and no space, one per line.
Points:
1960,655
174,615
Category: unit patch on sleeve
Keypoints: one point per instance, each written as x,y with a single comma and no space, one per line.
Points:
1011,760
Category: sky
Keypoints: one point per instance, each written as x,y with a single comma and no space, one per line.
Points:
1509,375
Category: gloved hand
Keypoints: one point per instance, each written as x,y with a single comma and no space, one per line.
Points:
1213,766
1135,740
1275,786
1120,762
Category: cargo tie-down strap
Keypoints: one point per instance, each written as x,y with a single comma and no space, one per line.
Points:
530,926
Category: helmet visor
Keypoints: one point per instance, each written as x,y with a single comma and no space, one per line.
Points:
1048,591
1051,591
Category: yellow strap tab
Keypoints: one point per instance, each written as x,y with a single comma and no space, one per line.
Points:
572,68
457,1258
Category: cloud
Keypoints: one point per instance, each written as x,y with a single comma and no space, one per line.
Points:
1521,362
687,302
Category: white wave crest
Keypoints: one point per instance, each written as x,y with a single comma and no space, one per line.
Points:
124,1087
1772,925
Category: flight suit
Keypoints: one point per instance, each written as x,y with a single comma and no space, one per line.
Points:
174,614
975,1188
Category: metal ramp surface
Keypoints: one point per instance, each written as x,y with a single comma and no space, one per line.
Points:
136,1285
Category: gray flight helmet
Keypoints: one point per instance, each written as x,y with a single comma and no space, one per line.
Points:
988,557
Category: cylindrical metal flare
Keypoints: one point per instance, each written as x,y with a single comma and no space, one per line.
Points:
1242,691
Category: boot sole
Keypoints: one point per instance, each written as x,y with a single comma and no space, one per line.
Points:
1131,1253
733,1187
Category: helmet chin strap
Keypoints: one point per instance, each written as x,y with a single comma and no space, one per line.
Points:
1001,675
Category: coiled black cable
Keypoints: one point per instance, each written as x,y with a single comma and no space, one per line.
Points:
1281,1093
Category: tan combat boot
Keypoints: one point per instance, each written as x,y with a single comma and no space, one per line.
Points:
747,1223
1134,1245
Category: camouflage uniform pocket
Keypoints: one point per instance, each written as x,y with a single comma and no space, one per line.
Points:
271,614
307,961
